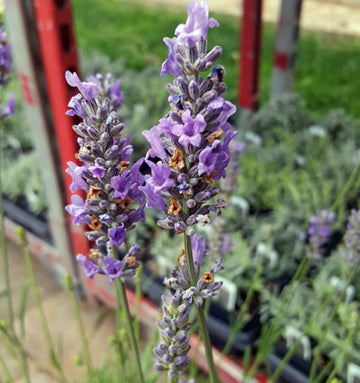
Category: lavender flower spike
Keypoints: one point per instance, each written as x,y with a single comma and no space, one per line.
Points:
5,58
113,202
192,143
352,237
171,351
109,88
319,232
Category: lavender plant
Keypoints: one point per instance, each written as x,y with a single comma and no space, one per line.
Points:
190,148
5,69
113,202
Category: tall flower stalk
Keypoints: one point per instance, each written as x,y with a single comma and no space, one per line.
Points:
189,154
113,202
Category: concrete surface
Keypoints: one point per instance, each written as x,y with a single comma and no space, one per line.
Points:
59,314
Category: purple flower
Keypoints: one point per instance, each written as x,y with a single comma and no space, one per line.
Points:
319,232
113,268
197,24
108,88
154,137
171,65
9,108
76,173
208,158
153,200
198,248
90,269
76,107
78,210
88,89
97,171
121,185
117,235
189,132
5,58
160,179
136,175
116,95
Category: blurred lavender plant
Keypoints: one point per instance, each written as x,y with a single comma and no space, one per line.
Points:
352,237
114,202
319,232
191,147
229,184
5,68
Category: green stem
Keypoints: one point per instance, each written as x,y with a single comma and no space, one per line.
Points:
84,341
6,370
323,372
240,320
347,186
5,258
120,291
288,355
12,344
36,292
301,270
200,312
138,292
119,347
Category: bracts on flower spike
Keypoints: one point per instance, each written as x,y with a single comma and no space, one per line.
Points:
113,202
206,286
171,351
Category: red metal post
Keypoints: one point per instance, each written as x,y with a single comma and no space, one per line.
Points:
250,49
58,50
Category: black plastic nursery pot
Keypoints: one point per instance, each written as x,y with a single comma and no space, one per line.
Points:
19,213
296,370
219,323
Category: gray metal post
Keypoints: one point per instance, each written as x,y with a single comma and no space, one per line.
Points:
286,47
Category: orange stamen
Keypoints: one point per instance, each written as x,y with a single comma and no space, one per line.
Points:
215,136
209,178
174,207
95,223
94,191
177,160
208,277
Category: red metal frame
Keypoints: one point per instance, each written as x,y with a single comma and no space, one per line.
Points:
58,50
250,48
